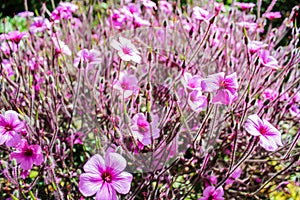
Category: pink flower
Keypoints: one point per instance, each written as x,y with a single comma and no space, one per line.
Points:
226,87
16,36
200,14
165,7
295,110
25,14
117,19
127,84
10,125
244,6
211,193
61,47
126,50
255,46
235,175
6,64
138,22
270,137
143,130
27,155
149,4
91,57
63,11
197,101
39,24
105,177
191,82
272,15
270,94
267,60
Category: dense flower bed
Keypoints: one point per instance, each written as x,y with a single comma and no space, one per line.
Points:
150,100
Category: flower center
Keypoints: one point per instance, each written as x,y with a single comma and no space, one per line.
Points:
263,130
223,85
106,177
28,152
143,125
8,128
126,50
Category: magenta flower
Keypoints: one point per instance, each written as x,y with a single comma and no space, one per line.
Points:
143,130
61,47
128,84
105,177
244,6
255,46
191,82
226,87
10,126
39,24
270,137
117,19
211,193
149,4
235,175
267,60
165,7
272,15
270,94
27,155
197,101
126,50
200,14
25,14
91,57
16,36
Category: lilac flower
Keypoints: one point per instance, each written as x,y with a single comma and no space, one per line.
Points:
16,36
200,14
244,6
143,130
27,155
7,47
126,50
255,46
197,101
251,26
226,87
105,177
267,60
25,14
117,19
270,137
63,11
39,24
211,193
128,84
272,15
91,57
270,94
10,125
6,67
191,82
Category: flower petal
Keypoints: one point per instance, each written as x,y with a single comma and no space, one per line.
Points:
106,192
122,182
267,143
115,162
95,165
252,125
89,184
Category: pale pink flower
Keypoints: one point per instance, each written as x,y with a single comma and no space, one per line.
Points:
149,4
128,84
295,110
267,60
25,14
63,11
272,15
197,101
270,94
200,14
191,82
117,19
39,24
126,50
211,193
165,7
10,126
226,87
7,47
105,177
255,46
61,47
251,26
270,137
143,130
235,175
27,155
91,57
244,6
138,22
7,68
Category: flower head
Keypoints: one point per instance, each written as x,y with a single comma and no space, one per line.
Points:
200,14
105,177
16,36
272,15
244,6
39,24
91,57
126,50
27,155
10,126
127,84
165,7
255,46
267,60
226,87
197,101
211,193
143,130
270,137
61,47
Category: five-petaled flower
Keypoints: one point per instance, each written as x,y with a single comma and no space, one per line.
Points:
270,137
105,177
27,155
267,60
144,131
10,126
128,84
126,50
226,87
211,193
